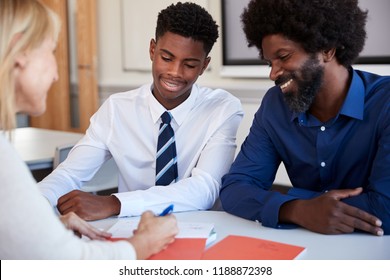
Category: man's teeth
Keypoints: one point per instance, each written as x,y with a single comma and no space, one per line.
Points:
286,84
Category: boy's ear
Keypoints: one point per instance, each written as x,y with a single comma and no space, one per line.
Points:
206,63
152,48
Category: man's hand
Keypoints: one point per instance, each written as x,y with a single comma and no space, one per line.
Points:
88,206
81,227
329,215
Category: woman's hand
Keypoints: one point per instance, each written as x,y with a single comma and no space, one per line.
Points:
81,227
153,234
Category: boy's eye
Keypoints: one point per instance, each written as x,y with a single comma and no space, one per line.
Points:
166,58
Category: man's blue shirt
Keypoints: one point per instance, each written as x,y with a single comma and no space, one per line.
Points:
349,151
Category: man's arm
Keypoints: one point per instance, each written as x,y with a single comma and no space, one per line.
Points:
246,189
245,193
329,215
375,198
324,213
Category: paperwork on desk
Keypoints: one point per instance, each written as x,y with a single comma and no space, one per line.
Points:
194,240
189,244
124,228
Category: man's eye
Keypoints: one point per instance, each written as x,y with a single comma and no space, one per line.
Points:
284,57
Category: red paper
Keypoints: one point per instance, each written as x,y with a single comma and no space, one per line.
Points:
235,247
182,249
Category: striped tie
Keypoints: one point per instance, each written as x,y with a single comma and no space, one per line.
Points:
166,163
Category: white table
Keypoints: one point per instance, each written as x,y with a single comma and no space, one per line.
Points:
36,145
318,246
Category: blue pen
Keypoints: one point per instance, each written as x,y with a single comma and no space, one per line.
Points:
167,211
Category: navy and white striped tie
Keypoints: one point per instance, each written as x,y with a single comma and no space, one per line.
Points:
166,160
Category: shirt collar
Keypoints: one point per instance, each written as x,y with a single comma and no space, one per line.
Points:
179,113
353,105
354,102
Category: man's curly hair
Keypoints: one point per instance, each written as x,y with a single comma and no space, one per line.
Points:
316,24
188,20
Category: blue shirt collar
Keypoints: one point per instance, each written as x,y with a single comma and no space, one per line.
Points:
354,102
353,105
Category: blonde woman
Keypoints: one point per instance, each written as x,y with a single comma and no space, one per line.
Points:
29,228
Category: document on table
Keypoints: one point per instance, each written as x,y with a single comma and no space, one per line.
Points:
124,228
193,240
189,244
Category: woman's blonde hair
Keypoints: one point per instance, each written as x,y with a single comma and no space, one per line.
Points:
24,25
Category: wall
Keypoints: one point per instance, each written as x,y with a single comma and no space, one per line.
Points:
111,53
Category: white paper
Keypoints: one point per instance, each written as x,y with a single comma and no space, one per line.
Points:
124,228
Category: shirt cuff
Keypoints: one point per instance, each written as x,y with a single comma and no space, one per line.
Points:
270,213
132,203
302,193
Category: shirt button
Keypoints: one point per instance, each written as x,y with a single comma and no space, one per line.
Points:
323,128
323,164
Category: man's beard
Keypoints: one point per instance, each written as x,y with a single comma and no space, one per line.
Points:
308,80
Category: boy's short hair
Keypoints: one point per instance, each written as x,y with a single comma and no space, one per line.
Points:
188,20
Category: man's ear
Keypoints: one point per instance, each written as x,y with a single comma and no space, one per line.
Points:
328,55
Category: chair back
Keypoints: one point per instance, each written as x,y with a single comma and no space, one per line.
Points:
106,178
61,153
